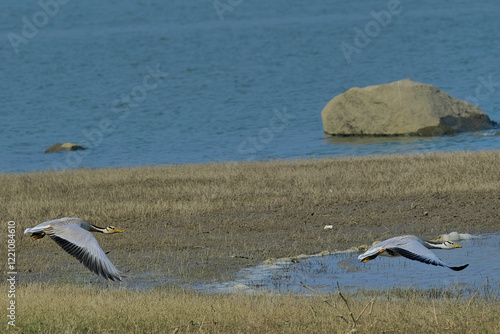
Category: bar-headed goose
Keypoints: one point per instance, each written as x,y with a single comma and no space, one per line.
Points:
73,235
412,248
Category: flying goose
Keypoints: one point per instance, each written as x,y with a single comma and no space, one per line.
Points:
73,235
412,248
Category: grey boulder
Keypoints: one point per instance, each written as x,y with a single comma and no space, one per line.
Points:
403,107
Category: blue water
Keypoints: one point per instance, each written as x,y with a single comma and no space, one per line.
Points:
323,272
245,84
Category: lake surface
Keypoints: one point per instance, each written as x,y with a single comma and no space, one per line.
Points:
323,272
175,82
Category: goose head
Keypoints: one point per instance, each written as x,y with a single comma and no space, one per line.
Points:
448,245
111,229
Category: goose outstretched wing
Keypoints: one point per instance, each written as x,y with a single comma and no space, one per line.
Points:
414,250
81,244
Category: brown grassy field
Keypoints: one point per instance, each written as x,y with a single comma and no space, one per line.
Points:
203,223
70,308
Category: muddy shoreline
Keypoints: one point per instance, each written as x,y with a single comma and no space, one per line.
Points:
204,223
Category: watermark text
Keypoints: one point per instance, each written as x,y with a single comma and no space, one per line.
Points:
121,108
30,27
11,273
223,6
278,123
363,37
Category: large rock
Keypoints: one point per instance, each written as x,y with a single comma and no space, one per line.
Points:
57,147
403,107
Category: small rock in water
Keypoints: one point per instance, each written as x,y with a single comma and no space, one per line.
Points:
58,147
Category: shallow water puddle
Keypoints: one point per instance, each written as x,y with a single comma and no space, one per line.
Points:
323,272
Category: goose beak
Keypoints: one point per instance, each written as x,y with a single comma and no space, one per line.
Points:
122,231
458,246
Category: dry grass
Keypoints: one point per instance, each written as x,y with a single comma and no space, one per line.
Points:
179,192
47,308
